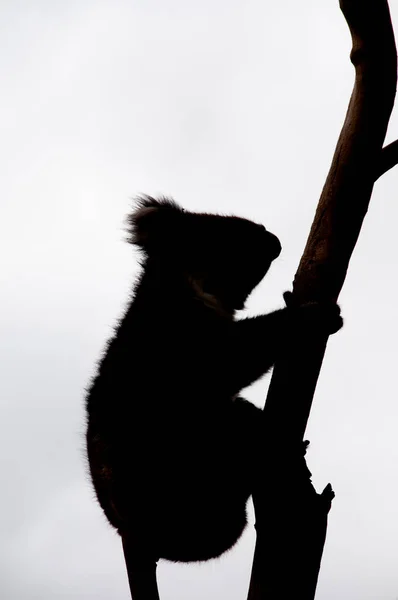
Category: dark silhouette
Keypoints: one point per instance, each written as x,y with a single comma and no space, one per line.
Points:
172,447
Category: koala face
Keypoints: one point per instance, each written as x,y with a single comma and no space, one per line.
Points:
231,255
228,255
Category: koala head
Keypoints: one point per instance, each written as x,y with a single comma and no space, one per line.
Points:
227,255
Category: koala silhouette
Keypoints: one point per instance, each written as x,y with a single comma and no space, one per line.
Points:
171,446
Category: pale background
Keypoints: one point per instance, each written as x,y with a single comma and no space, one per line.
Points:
230,105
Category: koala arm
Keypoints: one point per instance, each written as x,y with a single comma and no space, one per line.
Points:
253,346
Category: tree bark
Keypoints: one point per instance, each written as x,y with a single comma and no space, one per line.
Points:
291,518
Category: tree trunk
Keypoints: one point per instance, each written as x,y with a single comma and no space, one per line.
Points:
291,518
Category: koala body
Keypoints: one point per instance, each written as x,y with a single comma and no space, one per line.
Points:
171,445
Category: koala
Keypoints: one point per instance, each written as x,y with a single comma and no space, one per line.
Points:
171,445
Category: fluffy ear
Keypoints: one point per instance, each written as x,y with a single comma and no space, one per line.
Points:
153,222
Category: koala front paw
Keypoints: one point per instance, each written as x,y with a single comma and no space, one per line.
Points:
325,315
329,316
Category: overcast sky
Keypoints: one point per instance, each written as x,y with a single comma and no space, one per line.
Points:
227,105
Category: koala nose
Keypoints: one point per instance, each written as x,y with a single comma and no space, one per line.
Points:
275,245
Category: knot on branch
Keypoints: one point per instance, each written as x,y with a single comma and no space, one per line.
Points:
358,55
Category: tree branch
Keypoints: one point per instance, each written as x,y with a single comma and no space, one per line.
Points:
290,517
388,159
141,570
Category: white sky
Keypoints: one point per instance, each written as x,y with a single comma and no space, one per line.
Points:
231,105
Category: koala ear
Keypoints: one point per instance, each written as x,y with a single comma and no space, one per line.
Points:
153,222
